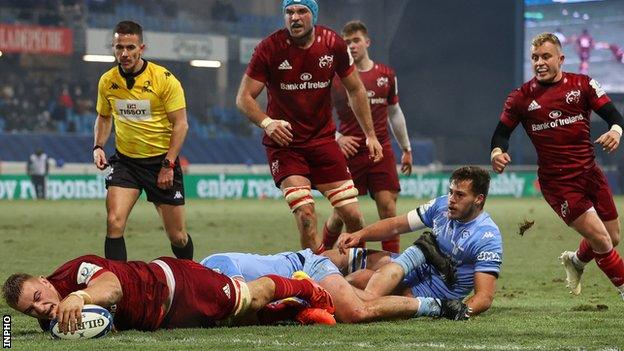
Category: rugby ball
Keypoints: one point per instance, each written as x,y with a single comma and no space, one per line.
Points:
96,322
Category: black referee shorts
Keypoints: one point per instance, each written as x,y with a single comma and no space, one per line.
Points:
142,174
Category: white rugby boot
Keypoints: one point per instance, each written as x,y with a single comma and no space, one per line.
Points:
573,273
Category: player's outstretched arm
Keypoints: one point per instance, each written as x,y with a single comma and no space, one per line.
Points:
359,103
279,131
485,288
101,132
104,290
378,231
611,139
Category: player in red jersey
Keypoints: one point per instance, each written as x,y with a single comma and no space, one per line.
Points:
381,178
554,109
165,293
297,65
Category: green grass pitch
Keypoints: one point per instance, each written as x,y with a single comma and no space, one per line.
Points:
532,309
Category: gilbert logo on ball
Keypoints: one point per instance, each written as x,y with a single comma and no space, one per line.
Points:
96,322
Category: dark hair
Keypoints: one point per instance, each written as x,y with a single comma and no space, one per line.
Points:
480,178
129,27
354,26
12,288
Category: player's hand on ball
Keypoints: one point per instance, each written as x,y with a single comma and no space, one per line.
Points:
348,240
374,149
348,145
69,314
280,131
609,141
500,161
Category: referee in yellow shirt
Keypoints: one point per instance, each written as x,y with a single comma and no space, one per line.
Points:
146,103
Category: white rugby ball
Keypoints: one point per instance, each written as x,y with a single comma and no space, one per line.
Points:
96,322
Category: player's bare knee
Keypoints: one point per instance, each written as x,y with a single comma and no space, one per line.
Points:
115,223
178,239
354,314
261,292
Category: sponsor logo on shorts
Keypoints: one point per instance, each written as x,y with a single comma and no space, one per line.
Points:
573,97
565,208
275,167
178,195
109,176
326,61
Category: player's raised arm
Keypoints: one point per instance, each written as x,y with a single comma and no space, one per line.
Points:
359,103
278,130
611,139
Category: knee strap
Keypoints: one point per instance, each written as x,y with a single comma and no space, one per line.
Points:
298,196
342,195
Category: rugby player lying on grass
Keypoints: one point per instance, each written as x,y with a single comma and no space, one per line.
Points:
165,293
352,305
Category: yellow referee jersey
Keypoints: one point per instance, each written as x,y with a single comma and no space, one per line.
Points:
139,105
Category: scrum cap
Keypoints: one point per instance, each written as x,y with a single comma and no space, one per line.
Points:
310,4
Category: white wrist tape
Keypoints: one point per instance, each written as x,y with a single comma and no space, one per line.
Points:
616,128
497,151
265,122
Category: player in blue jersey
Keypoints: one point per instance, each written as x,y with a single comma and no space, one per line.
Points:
462,230
352,305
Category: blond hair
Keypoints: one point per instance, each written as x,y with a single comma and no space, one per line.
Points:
542,38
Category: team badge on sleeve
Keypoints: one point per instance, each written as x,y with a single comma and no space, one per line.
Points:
86,272
597,88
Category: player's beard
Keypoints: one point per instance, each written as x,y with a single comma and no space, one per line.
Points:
305,38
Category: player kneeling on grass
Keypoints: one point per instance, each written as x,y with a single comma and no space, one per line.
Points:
461,230
352,305
165,293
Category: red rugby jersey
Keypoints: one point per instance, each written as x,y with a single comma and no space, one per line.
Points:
556,119
298,82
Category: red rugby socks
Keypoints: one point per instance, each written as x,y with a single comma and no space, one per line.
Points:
285,287
329,237
392,245
612,265
585,252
